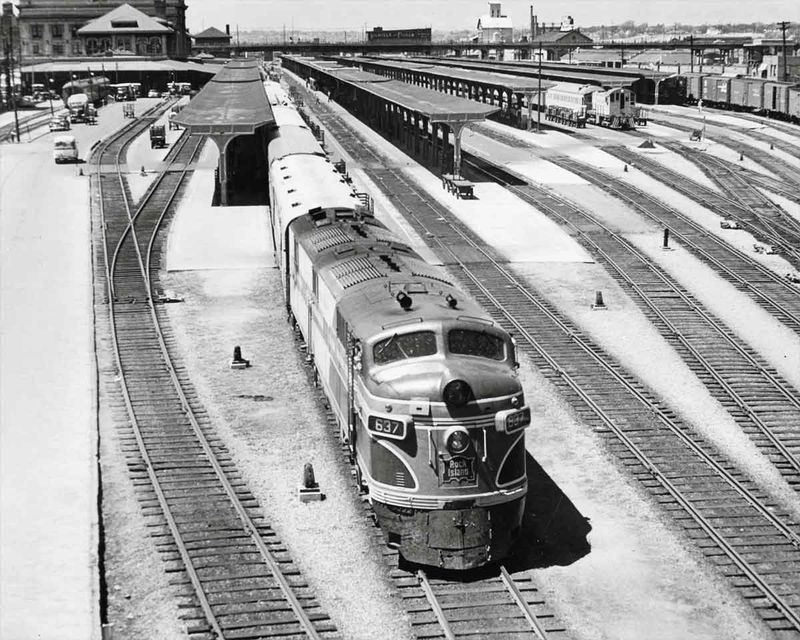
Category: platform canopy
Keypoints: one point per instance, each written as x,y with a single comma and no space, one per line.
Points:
436,106
517,84
232,102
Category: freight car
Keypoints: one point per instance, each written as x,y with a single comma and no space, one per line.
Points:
95,88
772,98
422,382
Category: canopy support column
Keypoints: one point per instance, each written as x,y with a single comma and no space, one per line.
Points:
457,128
222,141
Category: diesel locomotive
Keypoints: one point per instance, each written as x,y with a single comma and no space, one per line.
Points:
423,383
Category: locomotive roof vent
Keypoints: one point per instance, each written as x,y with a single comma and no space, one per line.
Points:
404,300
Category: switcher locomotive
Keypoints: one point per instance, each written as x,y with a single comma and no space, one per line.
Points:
423,383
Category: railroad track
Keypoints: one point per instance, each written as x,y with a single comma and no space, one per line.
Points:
741,200
26,124
764,404
768,289
479,607
761,156
764,121
788,147
234,577
734,524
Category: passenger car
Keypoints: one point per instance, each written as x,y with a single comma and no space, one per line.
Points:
60,123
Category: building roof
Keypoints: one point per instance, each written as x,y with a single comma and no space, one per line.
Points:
593,56
211,32
657,56
124,19
232,102
489,22
549,37
105,66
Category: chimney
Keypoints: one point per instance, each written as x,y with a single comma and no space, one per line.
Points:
8,9
534,25
227,29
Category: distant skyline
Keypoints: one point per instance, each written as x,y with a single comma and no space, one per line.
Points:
451,15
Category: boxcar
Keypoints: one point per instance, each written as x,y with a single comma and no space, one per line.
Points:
694,87
747,94
776,97
716,90
794,104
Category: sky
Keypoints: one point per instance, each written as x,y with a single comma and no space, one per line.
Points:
355,15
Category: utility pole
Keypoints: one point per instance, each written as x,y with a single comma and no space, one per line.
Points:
691,52
8,47
783,25
539,94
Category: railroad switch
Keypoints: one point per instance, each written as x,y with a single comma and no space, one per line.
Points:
666,246
599,305
238,362
309,491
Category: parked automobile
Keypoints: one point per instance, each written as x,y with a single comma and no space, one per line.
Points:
727,223
152,93
60,123
65,149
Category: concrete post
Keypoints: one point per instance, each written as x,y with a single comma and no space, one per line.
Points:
222,140
457,128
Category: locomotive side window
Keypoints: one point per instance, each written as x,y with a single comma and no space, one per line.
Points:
475,343
406,345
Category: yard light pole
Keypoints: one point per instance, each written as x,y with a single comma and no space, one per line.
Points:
50,94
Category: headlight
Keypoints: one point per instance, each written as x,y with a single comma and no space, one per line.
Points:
457,393
457,441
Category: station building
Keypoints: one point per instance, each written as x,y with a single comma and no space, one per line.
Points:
52,28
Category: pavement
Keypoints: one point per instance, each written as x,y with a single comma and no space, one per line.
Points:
49,576
48,435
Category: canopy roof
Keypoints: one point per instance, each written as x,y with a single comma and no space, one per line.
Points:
233,101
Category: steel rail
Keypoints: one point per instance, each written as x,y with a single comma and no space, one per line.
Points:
412,194
789,394
608,184
537,628
748,214
248,525
247,522
436,607
581,342
173,527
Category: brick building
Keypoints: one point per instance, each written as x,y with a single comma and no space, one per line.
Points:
50,28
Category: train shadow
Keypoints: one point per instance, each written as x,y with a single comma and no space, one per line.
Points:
554,533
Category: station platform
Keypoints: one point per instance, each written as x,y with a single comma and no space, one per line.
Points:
203,236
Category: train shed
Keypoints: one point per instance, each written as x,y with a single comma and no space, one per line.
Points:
233,110
509,92
420,119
